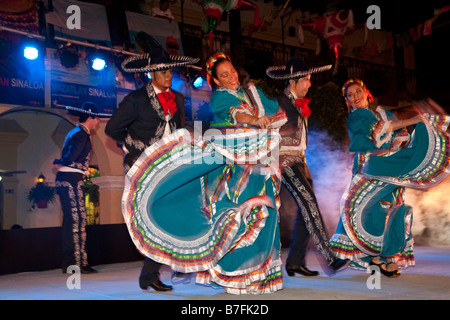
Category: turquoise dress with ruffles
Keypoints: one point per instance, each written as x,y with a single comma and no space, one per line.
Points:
210,204
374,219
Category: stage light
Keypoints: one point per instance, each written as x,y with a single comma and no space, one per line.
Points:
98,64
196,76
149,75
31,53
198,82
68,55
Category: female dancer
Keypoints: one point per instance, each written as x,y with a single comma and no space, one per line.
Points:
211,205
375,223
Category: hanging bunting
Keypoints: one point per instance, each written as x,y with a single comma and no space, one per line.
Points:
268,19
256,21
331,27
427,27
400,39
213,10
390,43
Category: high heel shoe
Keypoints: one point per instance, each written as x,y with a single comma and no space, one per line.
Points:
385,272
390,274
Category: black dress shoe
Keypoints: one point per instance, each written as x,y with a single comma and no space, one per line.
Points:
292,269
88,269
157,286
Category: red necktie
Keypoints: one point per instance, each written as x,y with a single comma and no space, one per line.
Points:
167,100
303,105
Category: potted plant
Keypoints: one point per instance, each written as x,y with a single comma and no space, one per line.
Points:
41,194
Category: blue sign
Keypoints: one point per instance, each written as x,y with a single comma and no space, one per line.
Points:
72,94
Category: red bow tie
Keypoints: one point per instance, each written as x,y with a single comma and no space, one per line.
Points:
167,100
303,105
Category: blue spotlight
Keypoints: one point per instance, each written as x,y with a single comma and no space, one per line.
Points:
31,53
198,82
98,64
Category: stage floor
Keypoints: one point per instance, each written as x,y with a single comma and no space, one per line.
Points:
428,280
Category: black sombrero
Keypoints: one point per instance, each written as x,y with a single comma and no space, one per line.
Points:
158,59
295,68
89,109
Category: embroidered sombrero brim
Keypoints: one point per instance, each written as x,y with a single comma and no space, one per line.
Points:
80,112
143,63
280,72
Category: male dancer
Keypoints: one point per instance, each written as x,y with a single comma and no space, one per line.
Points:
72,166
296,176
145,116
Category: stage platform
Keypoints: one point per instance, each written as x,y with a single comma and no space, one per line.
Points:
428,280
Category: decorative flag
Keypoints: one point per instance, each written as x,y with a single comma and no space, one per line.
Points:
331,27
427,27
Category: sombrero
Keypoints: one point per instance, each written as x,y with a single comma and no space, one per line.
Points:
158,59
295,68
88,108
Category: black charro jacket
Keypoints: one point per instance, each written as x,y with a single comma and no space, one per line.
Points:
139,121
76,149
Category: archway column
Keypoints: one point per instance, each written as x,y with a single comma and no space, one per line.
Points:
111,190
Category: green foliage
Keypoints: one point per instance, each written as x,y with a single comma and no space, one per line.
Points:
271,88
90,188
329,110
93,191
42,191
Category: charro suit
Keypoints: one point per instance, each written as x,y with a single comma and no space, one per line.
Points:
74,162
297,179
138,122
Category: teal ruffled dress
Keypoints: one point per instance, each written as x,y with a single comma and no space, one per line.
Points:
210,204
374,219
